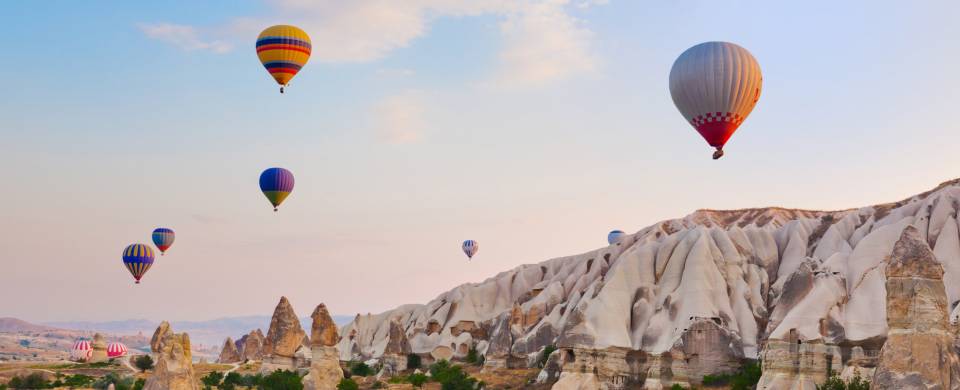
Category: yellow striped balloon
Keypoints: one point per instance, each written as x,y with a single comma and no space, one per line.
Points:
283,50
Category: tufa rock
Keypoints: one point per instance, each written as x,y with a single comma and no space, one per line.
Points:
174,367
918,353
253,344
99,346
229,353
285,334
324,330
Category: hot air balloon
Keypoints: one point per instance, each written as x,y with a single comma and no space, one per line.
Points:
163,239
138,258
116,349
715,85
276,184
283,50
82,350
470,247
614,236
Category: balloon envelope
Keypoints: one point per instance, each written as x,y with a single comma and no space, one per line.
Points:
163,239
715,85
276,184
138,258
470,248
283,50
116,349
614,236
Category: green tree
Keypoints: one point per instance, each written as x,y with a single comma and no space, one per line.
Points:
119,383
281,380
451,377
212,379
414,361
347,384
143,362
360,369
417,380
138,385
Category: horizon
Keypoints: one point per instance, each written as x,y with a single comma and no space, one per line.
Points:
533,127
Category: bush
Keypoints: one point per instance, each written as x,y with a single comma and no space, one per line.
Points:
360,369
348,384
417,380
138,385
78,380
747,378
143,362
451,377
473,357
212,379
414,361
835,383
233,379
281,380
119,383
378,385
676,387
545,354
32,381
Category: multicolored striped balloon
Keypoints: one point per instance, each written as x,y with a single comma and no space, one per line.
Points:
470,247
283,50
138,258
276,184
163,239
715,85
614,236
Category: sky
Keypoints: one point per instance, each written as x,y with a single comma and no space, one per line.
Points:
531,126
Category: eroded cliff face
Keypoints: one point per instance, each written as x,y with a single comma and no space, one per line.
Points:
174,367
764,277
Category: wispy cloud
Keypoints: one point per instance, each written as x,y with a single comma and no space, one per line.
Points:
543,40
184,37
401,118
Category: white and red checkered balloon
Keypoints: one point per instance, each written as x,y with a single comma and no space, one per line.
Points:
715,85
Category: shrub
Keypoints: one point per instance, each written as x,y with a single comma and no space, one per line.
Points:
473,357
835,383
281,380
233,379
451,377
32,381
748,376
119,383
347,384
138,385
417,380
676,387
212,379
414,361
360,369
545,354
78,380
143,362
378,385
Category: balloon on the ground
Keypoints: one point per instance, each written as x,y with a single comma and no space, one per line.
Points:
116,349
470,248
283,50
82,349
715,85
276,184
138,258
163,239
614,236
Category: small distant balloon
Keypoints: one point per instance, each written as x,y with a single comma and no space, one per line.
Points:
715,85
470,248
116,349
283,50
138,258
276,184
614,236
163,239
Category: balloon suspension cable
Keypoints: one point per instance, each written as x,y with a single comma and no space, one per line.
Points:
718,153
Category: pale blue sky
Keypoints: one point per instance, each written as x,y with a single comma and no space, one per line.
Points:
532,127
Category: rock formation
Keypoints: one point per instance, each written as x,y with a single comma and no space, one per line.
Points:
398,347
770,276
325,371
174,363
99,346
919,351
252,345
229,353
284,338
